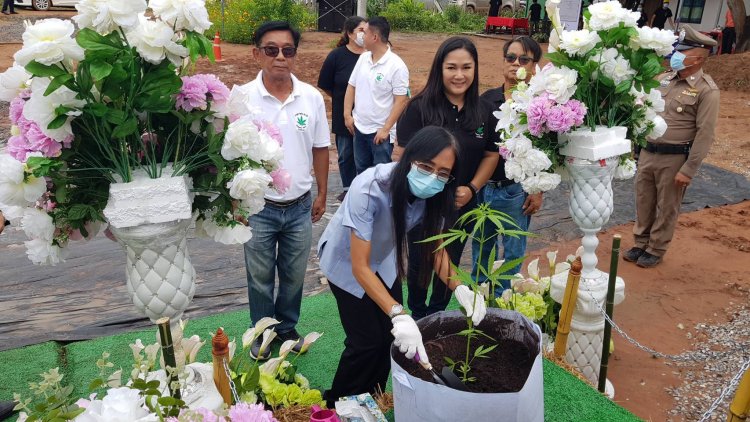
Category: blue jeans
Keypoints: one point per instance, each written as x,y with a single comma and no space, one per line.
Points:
347,169
508,199
367,154
291,229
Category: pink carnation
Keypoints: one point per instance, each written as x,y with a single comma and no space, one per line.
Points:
31,140
537,112
559,119
281,180
192,94
243,412
216,91
504,152
577,110
16,109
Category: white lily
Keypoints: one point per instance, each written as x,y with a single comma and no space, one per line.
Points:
271,366
497,264
232,349
562,267
191,346
552,259
137,348
310,338
533,269
152,350
254,332
578,253
484,289
268,336
287,347
115,380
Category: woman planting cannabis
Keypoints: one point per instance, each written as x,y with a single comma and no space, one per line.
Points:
363,252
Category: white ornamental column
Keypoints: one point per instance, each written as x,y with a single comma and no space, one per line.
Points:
591,160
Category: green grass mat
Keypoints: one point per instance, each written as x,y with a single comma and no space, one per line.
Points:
566,398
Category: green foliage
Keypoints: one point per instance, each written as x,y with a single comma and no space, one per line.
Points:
471,226
375,7
411,15
243,17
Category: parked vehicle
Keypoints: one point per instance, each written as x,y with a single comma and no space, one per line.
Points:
483,6
46,4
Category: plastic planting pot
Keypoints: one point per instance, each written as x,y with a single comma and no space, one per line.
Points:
510,378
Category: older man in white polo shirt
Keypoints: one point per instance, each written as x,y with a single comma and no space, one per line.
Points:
376,97
297,108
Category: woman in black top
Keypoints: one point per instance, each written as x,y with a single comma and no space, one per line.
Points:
451,99
333,79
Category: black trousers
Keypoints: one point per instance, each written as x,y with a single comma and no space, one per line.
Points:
8,5
365,362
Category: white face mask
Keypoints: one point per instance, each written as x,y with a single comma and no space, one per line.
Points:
360,39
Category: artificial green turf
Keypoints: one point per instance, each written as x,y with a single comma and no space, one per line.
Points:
566,398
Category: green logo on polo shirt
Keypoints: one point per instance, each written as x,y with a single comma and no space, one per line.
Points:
379,77
301,120
479,133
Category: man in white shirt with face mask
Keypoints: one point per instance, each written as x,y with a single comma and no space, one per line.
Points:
376,97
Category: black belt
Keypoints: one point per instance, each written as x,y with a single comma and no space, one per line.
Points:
285,204
668,148
501,183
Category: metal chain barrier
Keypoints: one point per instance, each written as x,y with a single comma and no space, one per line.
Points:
726,391
681,358
231,383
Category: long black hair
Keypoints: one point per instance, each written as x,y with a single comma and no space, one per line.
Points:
433,95
426,144
350,24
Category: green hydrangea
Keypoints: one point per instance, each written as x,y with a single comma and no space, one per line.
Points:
531,305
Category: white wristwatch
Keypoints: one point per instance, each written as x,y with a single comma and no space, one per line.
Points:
396,309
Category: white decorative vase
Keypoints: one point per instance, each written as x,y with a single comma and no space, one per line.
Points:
592,158
150,218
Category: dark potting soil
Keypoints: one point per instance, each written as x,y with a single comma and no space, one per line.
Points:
504,370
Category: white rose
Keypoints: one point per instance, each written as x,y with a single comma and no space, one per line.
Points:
122,404
41,108
253,205
541,182
249,184
660,127
17,188
519,145
558,82
154,40
655,100
234,235
105,16
625,170
656,39
43,252
241,139
37,224
513,170
534,161
271,152
605,15
614,66
190,15
49,41
521,74
578,43
521,97
13,81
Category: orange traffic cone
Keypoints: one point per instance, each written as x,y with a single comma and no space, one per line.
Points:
217,47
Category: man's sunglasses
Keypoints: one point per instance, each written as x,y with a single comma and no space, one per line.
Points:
523,60
273,51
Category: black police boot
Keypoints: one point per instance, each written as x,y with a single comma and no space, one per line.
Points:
633,254
648,261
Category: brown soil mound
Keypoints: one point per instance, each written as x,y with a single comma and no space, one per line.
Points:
730,71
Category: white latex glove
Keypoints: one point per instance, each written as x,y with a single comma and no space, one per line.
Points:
475,308
408,339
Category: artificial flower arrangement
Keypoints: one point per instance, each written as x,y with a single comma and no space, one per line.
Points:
601,75
145,398
114,103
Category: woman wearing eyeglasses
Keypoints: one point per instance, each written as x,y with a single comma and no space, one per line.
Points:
362,253
500,192
450,99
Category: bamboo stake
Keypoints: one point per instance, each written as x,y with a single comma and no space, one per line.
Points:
220,352
568,307
610,311
740,407
167,352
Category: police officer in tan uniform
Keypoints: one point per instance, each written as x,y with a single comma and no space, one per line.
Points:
667,165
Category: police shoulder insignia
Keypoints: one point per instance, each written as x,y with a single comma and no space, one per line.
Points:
710,81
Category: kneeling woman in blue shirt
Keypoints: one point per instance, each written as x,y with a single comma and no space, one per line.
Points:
362,253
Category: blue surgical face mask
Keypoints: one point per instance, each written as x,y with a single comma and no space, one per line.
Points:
677,61
422,185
